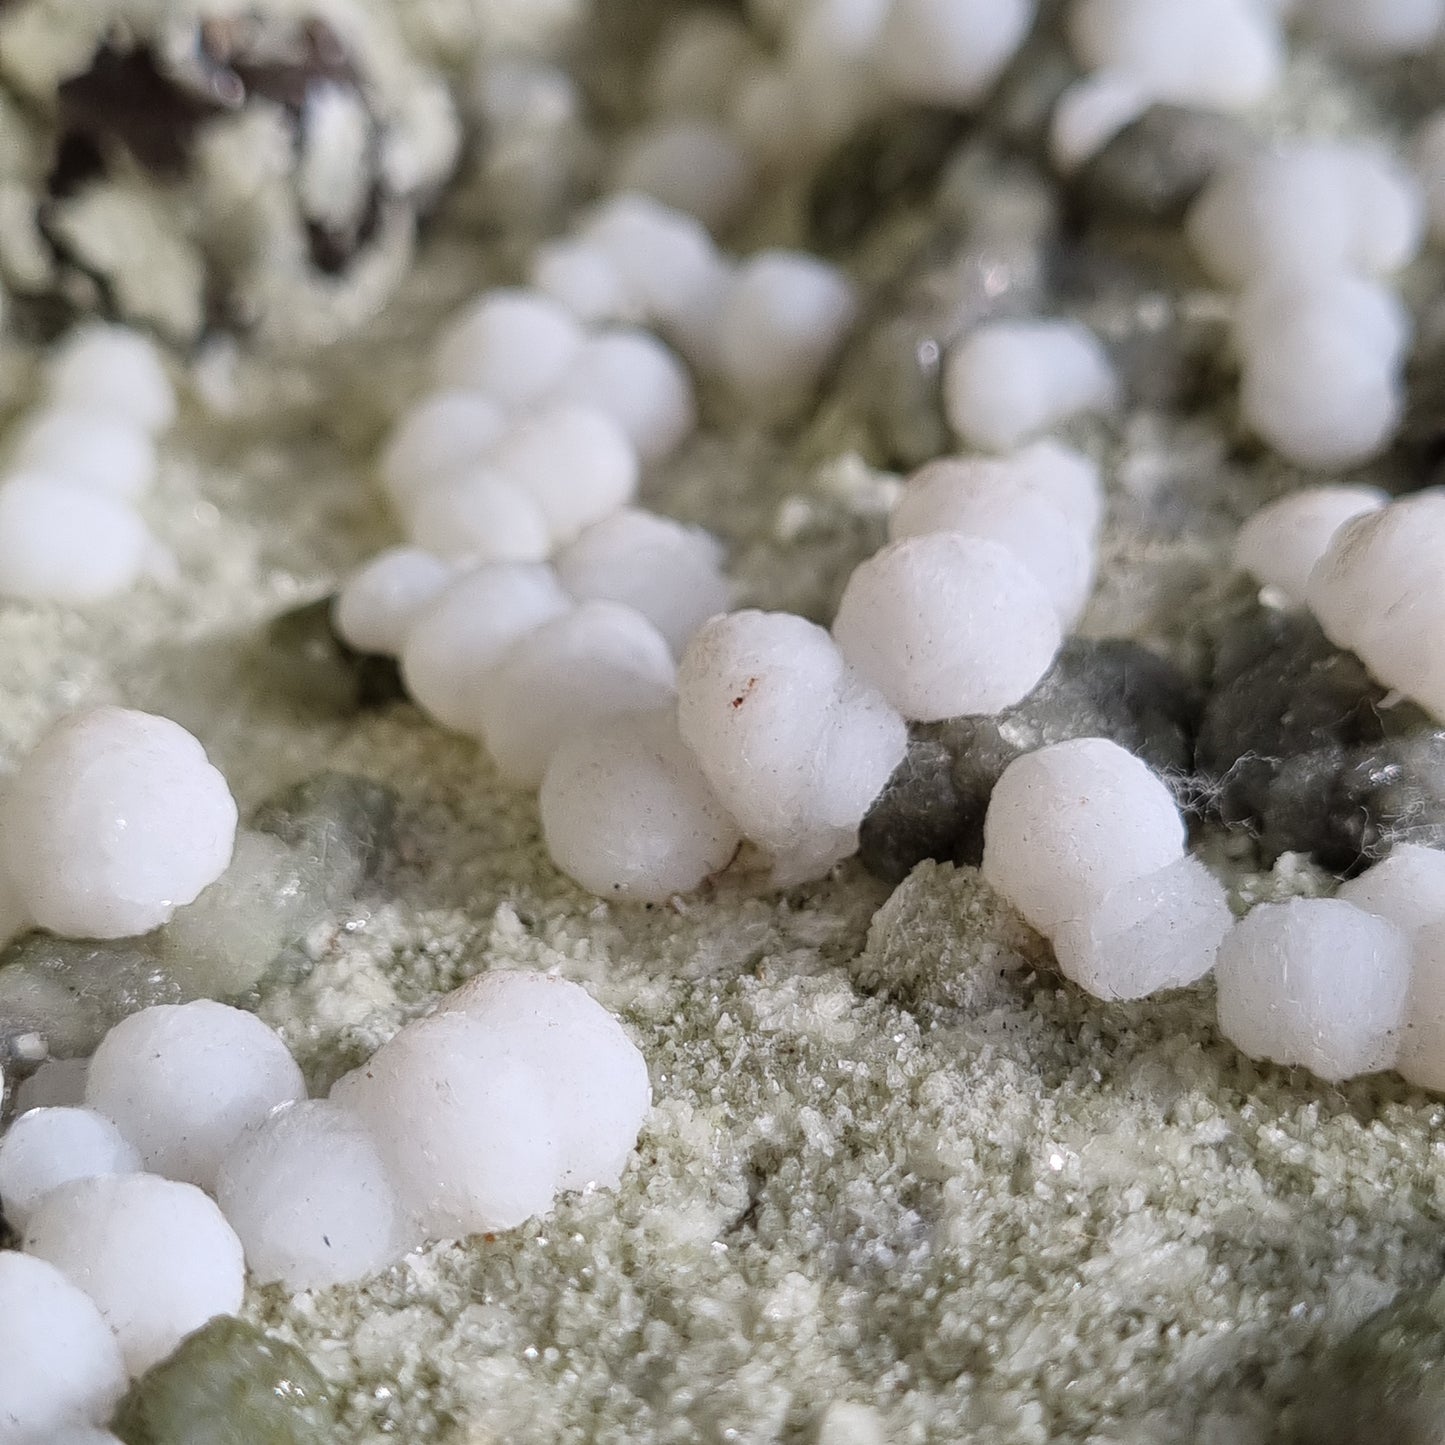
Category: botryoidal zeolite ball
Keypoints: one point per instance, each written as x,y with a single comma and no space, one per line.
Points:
114,821
183,1080
518,1086
1315,982
306,1191
60,1364
156,1256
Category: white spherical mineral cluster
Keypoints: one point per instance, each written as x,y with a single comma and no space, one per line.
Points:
518,1087
77,467
1088,844
1306,232
113,821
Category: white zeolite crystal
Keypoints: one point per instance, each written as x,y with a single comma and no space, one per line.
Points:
59,1362
783,319
1156,932
64,541
948,52
1368,311
1377,590
442,434
627,813
565,676
518,1086
114,371
480,515
640,384
695,166
514,345
1319,393
380,601
582,276
1421,1056
669,572
945,624
1306,208
90,449
114,821
1314,982
794,742
156,1256
1009,380
468,629
1223,54
576,462
45,1148
1071,822
308,1196
667,260
181,1081
1407,888
979,500
1430,164
1377,28
1281,543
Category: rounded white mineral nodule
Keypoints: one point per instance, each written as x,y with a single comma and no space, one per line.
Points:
183,1080
1407,888
1157,932
113,821
514,345
114,371
156,1256
1071,822
945,625
468,629
379,602
306,1192
565,676
1314,982
59,1362
64,541
671,573
47,1147
627,812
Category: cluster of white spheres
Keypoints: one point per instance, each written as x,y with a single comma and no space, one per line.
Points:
1305,233
991,562
1088,844
114,820
78,465
1007,382
766,326
197,1157
1346,985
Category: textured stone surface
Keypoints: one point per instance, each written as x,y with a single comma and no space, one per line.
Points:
1298,743
1384,1381
315,669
